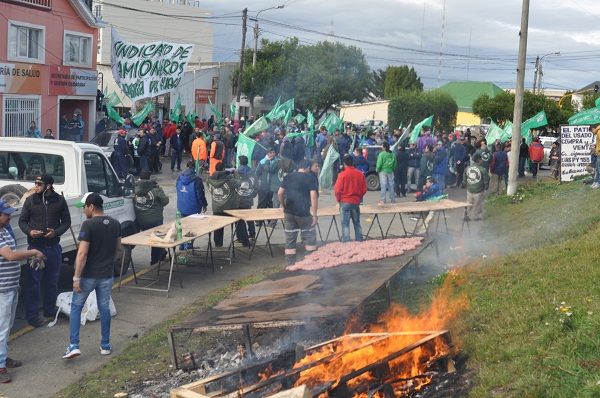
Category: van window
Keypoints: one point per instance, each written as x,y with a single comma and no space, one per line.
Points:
100,177
25,166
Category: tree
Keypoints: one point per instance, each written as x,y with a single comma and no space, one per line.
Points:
378,82
500,108
416,106
317,76
589,100
399,79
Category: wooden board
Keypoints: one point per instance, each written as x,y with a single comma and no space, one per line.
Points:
413,207
198,224
257,214
302,295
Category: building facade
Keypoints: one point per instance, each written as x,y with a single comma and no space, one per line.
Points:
47,66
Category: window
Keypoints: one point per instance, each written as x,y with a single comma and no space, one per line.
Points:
100,176
25,42
25,166
19,112
78,48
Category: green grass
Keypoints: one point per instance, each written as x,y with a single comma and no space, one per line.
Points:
519,340
149,355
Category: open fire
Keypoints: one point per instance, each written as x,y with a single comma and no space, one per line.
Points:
393,357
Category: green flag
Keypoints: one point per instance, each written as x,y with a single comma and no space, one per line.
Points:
288,116
287,106
326,174
175,113
538,120
114,115
112,99
310,120
245,147
586,117
414,135
597,102
494,133
140,115
216,112
299,118
259,125
271,115
402,137
232,109
506,132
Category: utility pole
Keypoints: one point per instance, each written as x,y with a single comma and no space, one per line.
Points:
535,73
518,109
239,80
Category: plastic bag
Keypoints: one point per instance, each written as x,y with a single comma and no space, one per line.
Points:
89,312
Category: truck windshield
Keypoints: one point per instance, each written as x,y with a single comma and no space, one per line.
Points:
25,166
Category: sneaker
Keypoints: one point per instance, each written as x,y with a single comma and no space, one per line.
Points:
13,363
4,376
380,203
595,185
72,352
105,349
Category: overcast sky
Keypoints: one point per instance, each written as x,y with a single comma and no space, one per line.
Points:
480,38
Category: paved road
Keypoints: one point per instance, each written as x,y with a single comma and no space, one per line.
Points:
45,373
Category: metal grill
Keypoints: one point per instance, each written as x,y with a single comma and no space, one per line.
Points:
18,113
45,4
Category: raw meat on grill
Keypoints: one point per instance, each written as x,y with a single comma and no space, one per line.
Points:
337,253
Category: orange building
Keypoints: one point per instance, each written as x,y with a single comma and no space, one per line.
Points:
48,54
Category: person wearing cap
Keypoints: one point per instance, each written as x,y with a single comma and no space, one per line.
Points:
349,190
10,271
122,156
478,181
99,239
44,218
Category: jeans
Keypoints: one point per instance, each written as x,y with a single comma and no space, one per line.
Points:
535,167
46,278
8,309
176,158
386,181
103,288
522,161
350,211
413,171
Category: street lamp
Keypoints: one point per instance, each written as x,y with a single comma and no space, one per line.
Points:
279,7
537,77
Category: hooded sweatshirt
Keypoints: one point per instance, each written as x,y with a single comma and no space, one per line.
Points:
223,188
150,199
190,193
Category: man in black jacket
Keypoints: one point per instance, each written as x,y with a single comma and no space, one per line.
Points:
44,218
144,150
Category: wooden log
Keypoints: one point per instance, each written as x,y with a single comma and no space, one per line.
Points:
297,392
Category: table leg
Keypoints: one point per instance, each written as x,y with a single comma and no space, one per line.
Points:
329,229
446,221
402,222
380,228
232,243
390,225
269,239
337,231
260,227
127,249
371,226
319,231
171,272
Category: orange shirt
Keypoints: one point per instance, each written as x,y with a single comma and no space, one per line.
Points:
199,149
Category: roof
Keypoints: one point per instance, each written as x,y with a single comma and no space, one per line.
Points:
589,87
466,92
86,14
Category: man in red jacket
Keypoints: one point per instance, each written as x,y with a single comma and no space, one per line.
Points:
349,189
536,155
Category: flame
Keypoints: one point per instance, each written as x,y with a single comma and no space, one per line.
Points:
354,351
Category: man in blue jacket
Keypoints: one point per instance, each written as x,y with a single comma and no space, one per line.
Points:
431,189
176,149
459,154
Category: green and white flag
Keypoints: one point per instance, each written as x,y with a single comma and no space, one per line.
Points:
232,109
534,122
403,136
216,112
175,113
299,118
114,115
326,174
414,135
506,132
585,117
245,147
494,133
140,115
310,120
283,109
259,125
270,116
288,116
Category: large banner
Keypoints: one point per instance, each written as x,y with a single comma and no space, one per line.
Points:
575,148
20,78
148,69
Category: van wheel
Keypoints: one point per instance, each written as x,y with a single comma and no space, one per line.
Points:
118,258
373,182
12,194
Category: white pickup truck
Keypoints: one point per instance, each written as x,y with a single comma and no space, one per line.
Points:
77,168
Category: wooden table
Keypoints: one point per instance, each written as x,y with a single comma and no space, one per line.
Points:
261,216
199,224
420,208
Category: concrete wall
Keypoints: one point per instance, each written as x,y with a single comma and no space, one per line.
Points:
467,119
140,27
356,113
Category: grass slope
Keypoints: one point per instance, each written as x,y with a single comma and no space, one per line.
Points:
533,327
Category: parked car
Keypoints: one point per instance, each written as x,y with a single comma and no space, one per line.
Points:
77,168
370,152
547,143
106,140
372,123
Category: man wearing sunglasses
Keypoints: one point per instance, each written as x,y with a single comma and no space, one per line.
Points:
44,218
